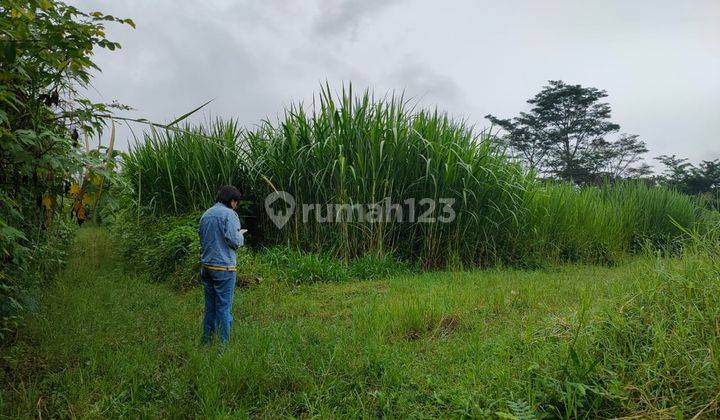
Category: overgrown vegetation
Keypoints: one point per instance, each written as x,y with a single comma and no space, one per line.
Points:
179,171
336,318
166,249
639,339
45,172
350,150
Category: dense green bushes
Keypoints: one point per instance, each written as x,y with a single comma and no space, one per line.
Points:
361,150
31,267
168,248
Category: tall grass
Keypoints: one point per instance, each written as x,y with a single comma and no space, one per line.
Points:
601,224
179,171
357,149
640,340
654,215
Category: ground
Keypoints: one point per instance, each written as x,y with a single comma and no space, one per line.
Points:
108,342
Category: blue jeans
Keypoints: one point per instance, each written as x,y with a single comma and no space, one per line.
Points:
219,289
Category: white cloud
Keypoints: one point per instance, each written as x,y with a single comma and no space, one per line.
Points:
344,16
658,59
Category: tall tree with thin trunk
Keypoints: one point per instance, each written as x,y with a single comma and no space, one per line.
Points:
564,134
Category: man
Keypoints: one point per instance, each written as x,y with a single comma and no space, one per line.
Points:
220,237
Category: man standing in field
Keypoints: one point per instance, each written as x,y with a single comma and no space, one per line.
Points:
220,237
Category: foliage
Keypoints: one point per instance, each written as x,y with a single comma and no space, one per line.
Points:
167,248
602,224
637,340
45,60
353,150
47,57
179,171
564,135
682,175
621,156
356,149
34,265
345,153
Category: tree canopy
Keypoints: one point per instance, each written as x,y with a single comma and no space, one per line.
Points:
565,135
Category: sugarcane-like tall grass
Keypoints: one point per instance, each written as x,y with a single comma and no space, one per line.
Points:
601,224
177,171
360,150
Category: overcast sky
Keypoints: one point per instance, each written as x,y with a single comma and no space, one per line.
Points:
658,60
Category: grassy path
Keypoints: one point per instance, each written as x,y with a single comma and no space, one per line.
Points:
110,343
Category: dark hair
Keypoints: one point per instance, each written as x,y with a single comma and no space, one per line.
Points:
227,194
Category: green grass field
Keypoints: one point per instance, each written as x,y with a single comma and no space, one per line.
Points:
560,342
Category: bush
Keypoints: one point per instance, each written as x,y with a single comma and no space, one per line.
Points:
168,249
34,264
165,248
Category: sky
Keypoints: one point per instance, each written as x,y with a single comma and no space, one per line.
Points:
658,60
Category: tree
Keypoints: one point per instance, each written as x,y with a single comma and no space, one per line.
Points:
676,171
680,174
525,138
46,59
705,178
622,154
564,135
46,49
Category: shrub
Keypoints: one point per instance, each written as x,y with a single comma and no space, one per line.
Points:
165,248
33,265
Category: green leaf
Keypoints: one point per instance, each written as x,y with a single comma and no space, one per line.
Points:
189,113
11,234
10,51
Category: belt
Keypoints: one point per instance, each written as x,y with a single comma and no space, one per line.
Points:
218,268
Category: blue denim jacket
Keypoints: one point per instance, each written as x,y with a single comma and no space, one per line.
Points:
220,236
